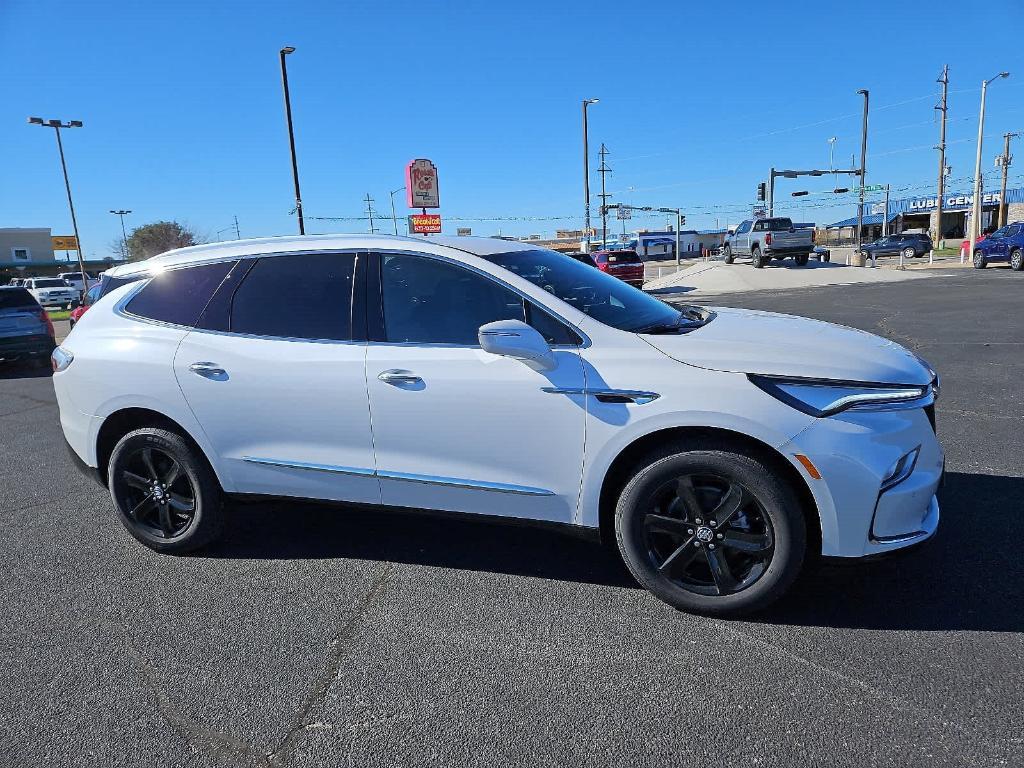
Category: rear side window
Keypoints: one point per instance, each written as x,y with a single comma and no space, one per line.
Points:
108,284
178,296
17,298
623,257
306,296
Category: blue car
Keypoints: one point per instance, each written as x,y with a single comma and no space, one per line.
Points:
1005,244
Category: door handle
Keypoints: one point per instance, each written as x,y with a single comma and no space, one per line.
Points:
398,376
210,371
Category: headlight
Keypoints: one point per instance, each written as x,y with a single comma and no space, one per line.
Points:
825,398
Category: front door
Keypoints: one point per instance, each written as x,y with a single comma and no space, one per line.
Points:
455,427
278,384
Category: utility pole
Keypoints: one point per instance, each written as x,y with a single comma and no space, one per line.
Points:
238,235
369,212
394,215
586,178
1005,160
771,192
863,169
604,170
124,233
885,213
943,107
291,136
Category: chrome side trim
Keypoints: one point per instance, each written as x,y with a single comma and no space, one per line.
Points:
640,397
309,465
455,482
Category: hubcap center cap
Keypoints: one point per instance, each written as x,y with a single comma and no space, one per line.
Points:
705,534
158,492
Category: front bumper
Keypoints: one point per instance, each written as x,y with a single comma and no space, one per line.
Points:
854,452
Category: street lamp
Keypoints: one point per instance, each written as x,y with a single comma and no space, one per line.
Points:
863,168
831,151
586,177
122,214
57,125
394,216
976,208
291,136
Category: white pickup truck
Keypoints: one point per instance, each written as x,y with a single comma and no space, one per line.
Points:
766,239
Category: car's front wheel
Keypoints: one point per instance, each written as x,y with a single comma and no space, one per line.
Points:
164,491
728,255
711,530
980,262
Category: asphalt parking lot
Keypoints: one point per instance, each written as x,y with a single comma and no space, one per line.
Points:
315,636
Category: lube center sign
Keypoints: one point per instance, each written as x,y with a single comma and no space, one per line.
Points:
952,202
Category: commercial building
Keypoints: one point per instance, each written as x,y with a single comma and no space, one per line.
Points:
918,214
28,252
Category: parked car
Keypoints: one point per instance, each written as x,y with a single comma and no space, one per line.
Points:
74,279
821,253
90,298
490,377
52,292
625,265
25,328
910,246
16,282
1006,244
766,239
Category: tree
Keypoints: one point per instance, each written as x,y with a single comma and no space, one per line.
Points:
151,239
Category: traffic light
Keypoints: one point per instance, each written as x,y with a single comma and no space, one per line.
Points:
682,219
762,190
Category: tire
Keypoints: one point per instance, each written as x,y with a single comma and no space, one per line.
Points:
802,259
71,323
827,257
192,513
728,255
908,253
1017,260
653,527
980,262
756,258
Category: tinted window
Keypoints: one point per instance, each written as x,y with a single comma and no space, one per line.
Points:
306,296
53,282
108,283
743,228
623,257
92,296
1014,230
179,295
554,331
598,294
428,301
999,233
11,298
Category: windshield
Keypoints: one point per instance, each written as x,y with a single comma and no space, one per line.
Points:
51,283
605,298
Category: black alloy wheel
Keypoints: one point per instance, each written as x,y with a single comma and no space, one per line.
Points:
165,491
708,534
712,529
158,496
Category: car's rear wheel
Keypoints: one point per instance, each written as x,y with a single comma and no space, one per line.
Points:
756,258
711,530
980,262
908,253
1017,260
165,492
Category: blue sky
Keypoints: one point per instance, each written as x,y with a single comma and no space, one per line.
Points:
183,110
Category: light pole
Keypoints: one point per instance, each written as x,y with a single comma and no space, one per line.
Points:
57,125
976,207
831,152
124,234
863,170
394,216
586,177
291,136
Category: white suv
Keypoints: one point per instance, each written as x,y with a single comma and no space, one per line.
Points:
51,291
720,448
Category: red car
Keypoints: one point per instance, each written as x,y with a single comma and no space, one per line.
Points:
91,297
625,265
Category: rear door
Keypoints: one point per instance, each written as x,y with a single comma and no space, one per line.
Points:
274,374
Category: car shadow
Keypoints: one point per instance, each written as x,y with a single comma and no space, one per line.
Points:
287,530
22,369
970,576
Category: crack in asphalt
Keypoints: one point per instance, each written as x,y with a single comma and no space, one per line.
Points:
286,746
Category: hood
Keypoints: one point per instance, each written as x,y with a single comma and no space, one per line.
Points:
748,341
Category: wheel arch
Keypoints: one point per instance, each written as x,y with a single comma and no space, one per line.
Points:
623,465
125,420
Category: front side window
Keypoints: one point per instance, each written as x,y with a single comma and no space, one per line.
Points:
744,228
305,296
427,301
999,233
178,296
605,298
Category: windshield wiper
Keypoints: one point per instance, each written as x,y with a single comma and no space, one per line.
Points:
687,320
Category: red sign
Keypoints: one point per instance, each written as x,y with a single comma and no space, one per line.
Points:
421,185
425,223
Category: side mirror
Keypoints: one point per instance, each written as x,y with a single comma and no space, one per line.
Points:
732,232
514,338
